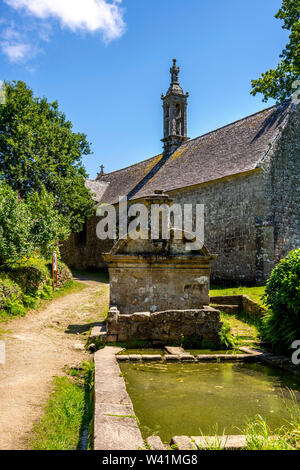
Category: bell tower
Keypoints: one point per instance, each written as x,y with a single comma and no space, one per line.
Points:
175,113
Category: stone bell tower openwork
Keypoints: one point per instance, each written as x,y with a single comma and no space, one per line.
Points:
175,113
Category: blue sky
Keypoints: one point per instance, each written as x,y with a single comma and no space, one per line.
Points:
107,64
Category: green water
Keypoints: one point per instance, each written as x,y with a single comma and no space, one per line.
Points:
190,399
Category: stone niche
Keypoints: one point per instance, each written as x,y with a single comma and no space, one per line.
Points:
159,289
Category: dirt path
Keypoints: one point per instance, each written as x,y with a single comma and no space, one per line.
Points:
38,347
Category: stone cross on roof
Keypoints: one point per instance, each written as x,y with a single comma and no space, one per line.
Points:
174,71
101,172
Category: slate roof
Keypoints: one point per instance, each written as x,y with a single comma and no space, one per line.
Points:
230,150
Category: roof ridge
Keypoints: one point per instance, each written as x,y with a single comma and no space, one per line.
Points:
235,122
198,137
131,166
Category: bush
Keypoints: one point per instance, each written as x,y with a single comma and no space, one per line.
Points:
8,289
14,307
48,226
25,283
29,301
46,292
15,226
282,297
30,274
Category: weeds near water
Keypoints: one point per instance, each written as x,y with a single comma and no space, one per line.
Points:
226,337
213,442
260,437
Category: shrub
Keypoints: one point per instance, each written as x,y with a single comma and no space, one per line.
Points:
64,274
46,292
8,289
14,307
226,337
282,297
15,226
29,301
30,274
48,226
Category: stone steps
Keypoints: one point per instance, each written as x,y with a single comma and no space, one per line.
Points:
230,309
98,331
177,351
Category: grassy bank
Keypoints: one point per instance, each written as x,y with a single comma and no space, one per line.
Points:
255,293
65,424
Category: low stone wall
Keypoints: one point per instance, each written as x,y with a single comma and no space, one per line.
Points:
253,309
253,357
115,427
167,326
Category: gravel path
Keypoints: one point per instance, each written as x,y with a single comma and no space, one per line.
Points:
38,347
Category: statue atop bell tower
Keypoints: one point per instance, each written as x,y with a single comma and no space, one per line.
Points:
175,113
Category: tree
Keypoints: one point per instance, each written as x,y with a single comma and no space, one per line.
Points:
48,226
15,226
278,83
38,150
282,296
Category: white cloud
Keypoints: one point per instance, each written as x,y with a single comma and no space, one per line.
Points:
16,45
15,52
89,15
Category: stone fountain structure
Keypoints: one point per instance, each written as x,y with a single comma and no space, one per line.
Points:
159,290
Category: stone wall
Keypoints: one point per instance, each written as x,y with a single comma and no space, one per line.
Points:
245,304
232,208
154,288
165,327
84,250
283,192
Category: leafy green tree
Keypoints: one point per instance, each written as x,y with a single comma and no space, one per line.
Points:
282,297
15,226
278,83
38,149
49,227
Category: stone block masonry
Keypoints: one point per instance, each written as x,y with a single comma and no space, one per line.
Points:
166,326
242,302
115,427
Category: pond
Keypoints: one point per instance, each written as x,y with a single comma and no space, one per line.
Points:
191,399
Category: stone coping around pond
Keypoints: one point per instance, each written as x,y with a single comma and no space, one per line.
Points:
247,357
115,424
206,442
273,360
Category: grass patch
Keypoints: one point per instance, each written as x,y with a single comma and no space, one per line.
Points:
67,414
255,293
71,287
